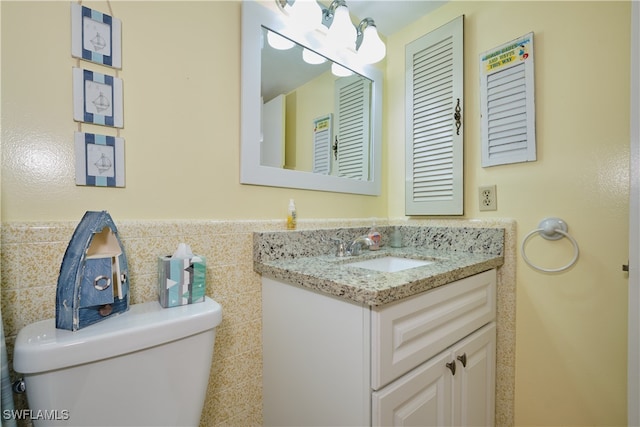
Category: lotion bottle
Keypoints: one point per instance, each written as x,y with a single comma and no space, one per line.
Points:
292,216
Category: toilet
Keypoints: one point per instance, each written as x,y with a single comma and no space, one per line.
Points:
148,366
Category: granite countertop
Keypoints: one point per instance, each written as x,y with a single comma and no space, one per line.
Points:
330,274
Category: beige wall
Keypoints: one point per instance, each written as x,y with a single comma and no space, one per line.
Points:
312,100
181,68
181,73
31,257
571,327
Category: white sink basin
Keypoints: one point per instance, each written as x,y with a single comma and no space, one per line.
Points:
389,264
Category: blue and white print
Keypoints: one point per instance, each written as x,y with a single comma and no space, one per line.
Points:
97,98
96,36
99,160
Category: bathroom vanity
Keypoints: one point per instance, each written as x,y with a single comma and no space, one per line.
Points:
347,345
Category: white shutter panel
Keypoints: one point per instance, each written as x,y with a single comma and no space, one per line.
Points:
322,145
434,152
507,103
352,126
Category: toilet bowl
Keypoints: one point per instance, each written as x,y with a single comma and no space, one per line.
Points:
146,367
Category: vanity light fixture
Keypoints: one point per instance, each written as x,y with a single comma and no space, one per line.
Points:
310,57
370,48
307,12
340,71
276,41
341,33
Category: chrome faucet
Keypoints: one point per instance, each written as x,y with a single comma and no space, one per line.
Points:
352,248
356,246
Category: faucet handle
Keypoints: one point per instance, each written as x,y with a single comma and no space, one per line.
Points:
341,249
355,248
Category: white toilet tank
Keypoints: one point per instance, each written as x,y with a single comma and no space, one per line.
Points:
146,367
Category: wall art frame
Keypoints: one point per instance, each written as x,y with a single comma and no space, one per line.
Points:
96,36
99,160
97,98
507,103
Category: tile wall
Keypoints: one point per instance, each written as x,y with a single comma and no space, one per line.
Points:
32,253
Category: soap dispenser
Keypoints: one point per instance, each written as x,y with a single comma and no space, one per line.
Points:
292,216
375,237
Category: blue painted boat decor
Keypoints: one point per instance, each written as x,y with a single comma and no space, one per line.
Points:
94,276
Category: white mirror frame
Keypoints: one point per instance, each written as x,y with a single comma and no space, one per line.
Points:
254,16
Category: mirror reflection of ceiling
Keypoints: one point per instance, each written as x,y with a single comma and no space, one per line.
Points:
390,16
284,70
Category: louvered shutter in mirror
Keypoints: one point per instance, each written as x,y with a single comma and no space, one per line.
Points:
353,100
322,145
434,151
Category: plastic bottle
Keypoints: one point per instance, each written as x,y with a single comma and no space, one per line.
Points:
375,237
292,216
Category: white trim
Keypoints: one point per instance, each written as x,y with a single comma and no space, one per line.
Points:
633,369
254,16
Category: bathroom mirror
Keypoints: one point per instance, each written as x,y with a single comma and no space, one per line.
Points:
288,158
314,118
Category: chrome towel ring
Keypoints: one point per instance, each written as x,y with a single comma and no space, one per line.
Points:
551,229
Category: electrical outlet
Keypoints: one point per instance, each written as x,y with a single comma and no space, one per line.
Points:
488,198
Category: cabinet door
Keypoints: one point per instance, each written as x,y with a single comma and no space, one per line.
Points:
434,101
474,381
315,358
456,387
410,332
420,398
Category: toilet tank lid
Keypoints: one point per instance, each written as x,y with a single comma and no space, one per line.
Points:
40,347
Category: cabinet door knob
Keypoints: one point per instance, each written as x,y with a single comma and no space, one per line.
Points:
463,359
452,367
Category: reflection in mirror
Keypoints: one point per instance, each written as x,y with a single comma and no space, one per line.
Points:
291,142
315,113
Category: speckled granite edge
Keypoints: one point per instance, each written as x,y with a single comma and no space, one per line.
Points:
270,246
373,288
307,258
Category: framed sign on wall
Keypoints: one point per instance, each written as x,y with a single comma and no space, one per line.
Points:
97,98
96,36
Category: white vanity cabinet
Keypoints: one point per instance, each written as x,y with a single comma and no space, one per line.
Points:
328,361
434,395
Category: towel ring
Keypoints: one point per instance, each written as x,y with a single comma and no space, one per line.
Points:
551,229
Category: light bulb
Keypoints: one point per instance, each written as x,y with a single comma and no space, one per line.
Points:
276,41
340,71
310,57
372,48
342,32
306,14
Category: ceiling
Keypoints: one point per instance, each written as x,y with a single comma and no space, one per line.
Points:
392,15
